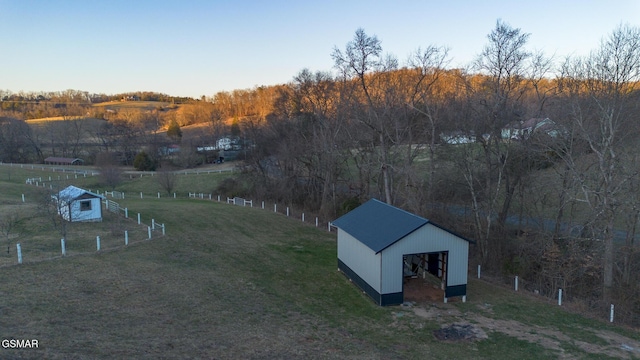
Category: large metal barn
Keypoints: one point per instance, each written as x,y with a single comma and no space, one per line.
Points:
381,246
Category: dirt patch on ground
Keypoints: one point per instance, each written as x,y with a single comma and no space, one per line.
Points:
422,290
460,332
456,326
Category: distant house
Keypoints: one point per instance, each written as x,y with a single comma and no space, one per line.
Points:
458,137
519,130
224,143
206,148
169,150
379,246
63,161
76,204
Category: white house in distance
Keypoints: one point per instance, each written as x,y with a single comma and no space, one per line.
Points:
379,245
518,130
76,204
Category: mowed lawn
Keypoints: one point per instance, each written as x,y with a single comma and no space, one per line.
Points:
230,282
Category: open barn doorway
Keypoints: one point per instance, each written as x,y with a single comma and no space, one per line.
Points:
424,276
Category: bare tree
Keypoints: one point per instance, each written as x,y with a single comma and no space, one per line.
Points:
168,180
51,209
428,99
360,61
110,171
391,105
15,141
603,94
8,223
497,102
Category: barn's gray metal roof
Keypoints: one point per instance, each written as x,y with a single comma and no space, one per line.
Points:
378,225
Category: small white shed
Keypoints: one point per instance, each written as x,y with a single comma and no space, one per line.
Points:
76,204
379,245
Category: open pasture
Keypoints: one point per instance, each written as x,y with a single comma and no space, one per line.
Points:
231,282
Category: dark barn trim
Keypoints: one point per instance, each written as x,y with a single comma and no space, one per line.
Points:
380,299
456,290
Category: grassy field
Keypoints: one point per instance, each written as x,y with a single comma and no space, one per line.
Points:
88,122
40,121
230,282
136,105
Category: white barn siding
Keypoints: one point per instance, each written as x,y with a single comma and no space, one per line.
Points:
359,258
95,214
427,239
73,211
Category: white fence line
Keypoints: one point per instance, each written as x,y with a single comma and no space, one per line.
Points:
234,201
110,206
194,195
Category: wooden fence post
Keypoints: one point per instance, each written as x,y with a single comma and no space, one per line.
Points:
98,243
64,249
126,237
19,248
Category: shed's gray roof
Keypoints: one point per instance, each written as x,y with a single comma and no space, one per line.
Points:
71,193
378,225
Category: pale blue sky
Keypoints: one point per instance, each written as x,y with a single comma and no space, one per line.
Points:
195,48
